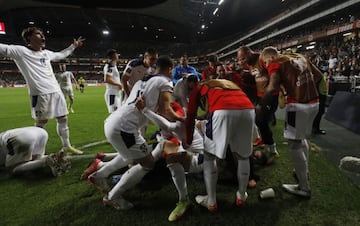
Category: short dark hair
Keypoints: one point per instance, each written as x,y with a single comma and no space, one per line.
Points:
151,51
27,32
164,62
244,49
192,78
212,58
110,53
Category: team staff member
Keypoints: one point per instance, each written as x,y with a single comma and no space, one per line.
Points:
299,77
34,63
112,80
183,69
228,110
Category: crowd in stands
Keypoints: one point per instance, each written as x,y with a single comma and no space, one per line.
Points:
336,55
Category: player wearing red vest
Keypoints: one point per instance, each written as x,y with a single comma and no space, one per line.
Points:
299,77
230,116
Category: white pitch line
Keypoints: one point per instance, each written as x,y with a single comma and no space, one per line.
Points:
108,156
92,144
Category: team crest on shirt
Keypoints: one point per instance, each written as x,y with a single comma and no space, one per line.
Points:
42,61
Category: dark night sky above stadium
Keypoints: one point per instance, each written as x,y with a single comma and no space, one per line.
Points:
183,20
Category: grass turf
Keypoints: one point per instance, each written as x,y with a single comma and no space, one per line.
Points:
39,199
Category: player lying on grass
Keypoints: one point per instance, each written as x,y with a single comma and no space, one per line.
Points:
22,150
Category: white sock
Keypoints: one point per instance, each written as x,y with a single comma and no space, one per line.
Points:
299,158
306,150
71,103
256,132
30,165
129,179
111,166
178,176
62,130
243,172
210,177
156,153
272,148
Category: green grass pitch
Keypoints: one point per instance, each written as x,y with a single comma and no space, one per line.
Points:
39,199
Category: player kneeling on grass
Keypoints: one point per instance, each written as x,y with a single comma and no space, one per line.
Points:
22,150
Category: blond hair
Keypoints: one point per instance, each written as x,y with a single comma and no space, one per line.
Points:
269,51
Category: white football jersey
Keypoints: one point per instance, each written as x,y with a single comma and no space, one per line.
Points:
112,70
21,138
64,79
181,92
128,117
36,67
136,70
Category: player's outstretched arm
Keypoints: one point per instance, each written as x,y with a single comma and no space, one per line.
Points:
79,41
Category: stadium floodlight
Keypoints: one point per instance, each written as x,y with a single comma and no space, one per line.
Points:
215,11
310,47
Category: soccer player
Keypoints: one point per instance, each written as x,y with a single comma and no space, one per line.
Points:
183,88
137,68
81,84
122,130
230,123
299,77
65,79
179,161
112,80
34,63
23,149
183,69
263,115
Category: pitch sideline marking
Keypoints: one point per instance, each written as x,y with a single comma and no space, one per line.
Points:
93,144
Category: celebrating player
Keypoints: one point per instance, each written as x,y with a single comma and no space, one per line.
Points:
34,63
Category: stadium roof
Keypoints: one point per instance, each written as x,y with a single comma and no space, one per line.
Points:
185,21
